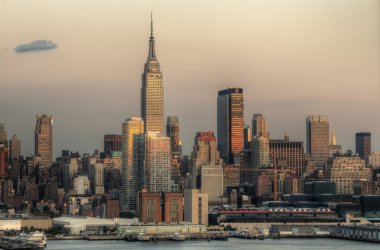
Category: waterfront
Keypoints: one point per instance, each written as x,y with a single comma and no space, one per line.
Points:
209,245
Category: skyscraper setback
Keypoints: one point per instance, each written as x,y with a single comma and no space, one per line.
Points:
317,139
230,123
152,91
44,139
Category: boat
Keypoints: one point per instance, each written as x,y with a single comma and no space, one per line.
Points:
143,237
178,237
37,237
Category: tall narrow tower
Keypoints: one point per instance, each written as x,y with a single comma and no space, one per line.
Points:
152,91
363,145
133,161
259,126
230,122
172,131
3,133
317,139
44,139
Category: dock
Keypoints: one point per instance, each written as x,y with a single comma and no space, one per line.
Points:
9,243
368,233
102,237
172,237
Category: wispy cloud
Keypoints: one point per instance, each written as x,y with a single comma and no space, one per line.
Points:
38,45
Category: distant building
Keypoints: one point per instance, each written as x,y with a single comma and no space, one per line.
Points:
364,187
150,207
344,171
230,123
4,161
96,175
172,131
212,181
15,147
152,91
231,177
81,185
112,143
317,139
3,134
263,187
374,159
157,207
110,208
260,152
133,161
259,126
289,155
173,208
196,207
157,162
363,145
44,139
70,170
204,153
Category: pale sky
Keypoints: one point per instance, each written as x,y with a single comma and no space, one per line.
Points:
291,57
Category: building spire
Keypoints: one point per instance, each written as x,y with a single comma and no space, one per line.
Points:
152,52
151,24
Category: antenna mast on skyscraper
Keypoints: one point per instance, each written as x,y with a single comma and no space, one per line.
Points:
151,24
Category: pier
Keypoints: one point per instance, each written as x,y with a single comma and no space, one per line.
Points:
369,233
174,237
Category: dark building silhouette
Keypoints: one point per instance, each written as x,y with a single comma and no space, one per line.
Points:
112,143
363,145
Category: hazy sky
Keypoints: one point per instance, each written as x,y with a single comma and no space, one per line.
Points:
291,57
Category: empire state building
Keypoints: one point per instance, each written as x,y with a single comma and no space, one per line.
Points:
152,91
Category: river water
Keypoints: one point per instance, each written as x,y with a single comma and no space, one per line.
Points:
291,244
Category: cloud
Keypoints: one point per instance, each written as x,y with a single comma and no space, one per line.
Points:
38,45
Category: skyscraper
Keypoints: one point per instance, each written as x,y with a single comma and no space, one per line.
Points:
172,131
44,139
204,153
152,91
287,155
259,125
260,152
3,133
4,161
317,139
260,142
96,176
15,147
230,122
133,160
363,145
157,162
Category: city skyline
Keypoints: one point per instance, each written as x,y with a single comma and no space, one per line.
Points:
185,97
